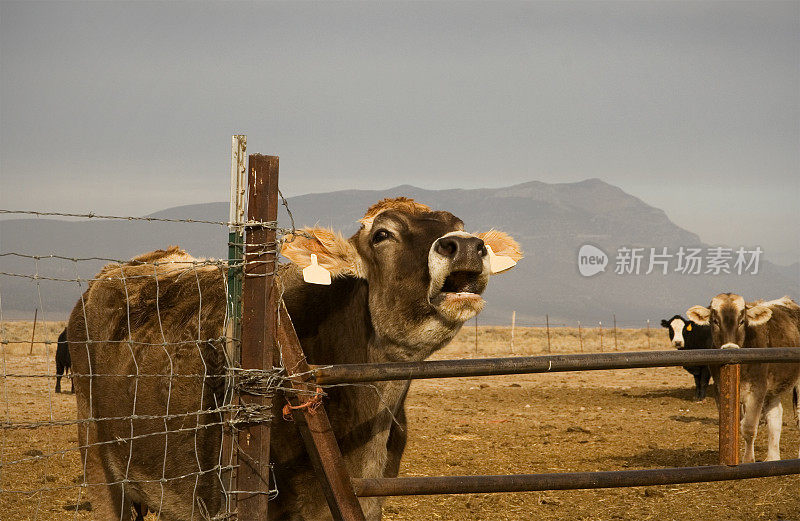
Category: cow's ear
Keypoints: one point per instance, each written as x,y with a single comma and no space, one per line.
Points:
758,314
334,253
501,244
700,315
664,323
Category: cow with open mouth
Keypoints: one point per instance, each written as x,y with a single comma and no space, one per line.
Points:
401,288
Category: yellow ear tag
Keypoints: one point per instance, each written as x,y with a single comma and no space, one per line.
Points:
316,274
688,327
499,263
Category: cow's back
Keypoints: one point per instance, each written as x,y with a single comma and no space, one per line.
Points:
781,330
142,328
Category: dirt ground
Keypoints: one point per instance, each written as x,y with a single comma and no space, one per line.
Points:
583,421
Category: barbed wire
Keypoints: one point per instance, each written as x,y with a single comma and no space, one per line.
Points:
92,215
273,225
136,262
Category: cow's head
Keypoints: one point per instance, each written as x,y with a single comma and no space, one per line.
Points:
425,273
676,326
729,315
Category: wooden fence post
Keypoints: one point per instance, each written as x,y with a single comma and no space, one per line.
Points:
476,334
600,328
729,414
33,333
259,317
513,321
547,326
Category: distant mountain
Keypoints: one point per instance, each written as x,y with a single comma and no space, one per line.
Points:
551,222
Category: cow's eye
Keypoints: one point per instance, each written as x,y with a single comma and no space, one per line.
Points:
741,321
380,236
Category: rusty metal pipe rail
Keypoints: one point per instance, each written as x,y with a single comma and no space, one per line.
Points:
354,373
569,480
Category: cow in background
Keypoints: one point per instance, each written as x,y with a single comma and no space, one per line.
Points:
776,323
63,362
686,334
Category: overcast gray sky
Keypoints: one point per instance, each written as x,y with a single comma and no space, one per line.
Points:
128,108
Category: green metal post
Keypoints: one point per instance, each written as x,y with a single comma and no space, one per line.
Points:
236,244
235,259
233,331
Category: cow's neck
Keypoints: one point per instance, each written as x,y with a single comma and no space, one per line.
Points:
335,327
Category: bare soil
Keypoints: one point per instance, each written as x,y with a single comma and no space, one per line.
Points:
583,421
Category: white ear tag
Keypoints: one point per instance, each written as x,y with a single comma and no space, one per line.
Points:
316,274
499,263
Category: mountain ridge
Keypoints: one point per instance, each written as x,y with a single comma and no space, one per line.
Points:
550,220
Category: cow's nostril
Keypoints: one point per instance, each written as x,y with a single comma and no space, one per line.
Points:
482,248
446,246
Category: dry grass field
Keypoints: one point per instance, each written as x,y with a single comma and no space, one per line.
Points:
583,421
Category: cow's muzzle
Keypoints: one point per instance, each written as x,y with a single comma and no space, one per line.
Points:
465,252
459,269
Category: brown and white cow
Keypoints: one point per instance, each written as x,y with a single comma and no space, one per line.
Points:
776,323
402,287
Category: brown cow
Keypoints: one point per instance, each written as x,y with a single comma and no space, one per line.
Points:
403,286
776,323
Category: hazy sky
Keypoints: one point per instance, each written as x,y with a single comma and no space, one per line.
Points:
127,108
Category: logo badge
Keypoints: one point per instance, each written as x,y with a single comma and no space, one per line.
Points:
591,260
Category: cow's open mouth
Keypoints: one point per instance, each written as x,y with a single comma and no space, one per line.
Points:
458,298
461,282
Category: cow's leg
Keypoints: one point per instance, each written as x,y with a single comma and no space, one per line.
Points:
774,416
705,377
121,503
71,382
59,372
141,511
113,502
396,445
796,407
753,404
108,501
699,392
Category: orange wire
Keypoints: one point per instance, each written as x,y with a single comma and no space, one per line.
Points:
312,405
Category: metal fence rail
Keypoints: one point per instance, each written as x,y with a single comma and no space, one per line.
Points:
569,480
728,402
355,373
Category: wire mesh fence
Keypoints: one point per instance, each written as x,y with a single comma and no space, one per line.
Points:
154,362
